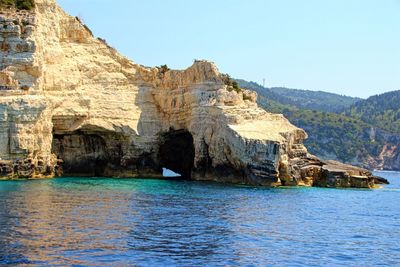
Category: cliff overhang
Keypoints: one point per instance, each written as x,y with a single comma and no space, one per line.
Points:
72,105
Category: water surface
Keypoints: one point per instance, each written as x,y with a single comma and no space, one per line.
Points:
108,222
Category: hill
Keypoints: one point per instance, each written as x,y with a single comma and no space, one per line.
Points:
382,111
347,138
306,99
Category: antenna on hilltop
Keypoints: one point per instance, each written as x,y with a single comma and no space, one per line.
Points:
264,82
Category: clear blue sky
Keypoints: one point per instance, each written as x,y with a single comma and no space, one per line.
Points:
348,47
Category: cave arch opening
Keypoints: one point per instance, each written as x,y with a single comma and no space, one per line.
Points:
177,152
82,154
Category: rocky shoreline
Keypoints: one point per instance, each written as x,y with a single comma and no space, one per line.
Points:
331,174
72,105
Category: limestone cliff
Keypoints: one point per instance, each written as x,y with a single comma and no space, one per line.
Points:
71,104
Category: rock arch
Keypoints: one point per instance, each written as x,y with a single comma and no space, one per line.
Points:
83,154
177,152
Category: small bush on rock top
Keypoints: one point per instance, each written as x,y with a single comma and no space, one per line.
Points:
164,69
6,3
25,4
232,84
246,97
17,4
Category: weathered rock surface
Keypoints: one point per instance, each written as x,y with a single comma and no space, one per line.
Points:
70,103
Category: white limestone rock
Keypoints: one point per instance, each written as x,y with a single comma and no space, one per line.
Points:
66,93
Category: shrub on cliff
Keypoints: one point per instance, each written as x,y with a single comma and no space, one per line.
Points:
7,3
25,4
17,4
164,69
232,84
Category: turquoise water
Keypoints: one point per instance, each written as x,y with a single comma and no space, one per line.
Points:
111,222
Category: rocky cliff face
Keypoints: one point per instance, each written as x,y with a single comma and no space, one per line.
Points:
388,157
71,104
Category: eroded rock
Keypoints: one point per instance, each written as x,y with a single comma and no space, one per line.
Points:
70,104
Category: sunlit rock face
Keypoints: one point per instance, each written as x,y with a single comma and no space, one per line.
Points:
72,105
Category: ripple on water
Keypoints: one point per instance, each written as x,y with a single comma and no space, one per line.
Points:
101,222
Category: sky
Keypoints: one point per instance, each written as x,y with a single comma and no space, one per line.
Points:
349,47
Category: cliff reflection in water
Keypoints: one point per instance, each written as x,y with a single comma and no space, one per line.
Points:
101,222
42,222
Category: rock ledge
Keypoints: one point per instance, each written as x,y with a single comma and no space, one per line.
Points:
70,104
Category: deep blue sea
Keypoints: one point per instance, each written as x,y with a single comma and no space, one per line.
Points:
122,222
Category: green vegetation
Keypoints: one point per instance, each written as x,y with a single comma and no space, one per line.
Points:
346,135
164,68
232,84
382,111
25,4
17,4
334,134
246,97
315,100
331,135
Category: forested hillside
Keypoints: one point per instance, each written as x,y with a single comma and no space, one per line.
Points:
315,100
349,139
383,111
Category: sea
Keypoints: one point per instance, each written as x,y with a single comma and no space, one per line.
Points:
144,222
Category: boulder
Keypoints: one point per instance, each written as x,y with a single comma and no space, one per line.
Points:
71,104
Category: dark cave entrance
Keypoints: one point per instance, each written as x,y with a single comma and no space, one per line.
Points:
176,152
83,154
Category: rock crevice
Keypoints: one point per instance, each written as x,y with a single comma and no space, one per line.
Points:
71,103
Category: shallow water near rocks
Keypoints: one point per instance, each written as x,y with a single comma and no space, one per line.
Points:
103,222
